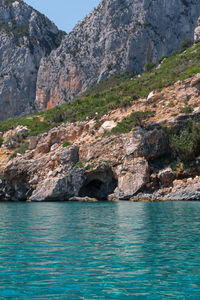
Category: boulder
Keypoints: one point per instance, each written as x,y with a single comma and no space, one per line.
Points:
48,177
149,144
132,175
33,140
153,96
83,199
185,190
59,188
107,126
166,177
197,32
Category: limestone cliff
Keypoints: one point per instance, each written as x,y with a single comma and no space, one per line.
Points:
78,161
25,37
117,35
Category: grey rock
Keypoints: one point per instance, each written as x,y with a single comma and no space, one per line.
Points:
83,199
117,35
132,175
183,195
59,188
166,177
149,144
197,32
26,178
185,191
25,37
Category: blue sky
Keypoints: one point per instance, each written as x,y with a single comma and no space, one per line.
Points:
64,13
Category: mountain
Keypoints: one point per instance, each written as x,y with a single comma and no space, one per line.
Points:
42,67
114,147
117,35
25,37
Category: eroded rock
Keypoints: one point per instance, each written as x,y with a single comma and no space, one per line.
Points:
197,32
166,177
149,144
185,190
132,175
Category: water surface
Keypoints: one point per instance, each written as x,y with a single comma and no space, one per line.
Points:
100,250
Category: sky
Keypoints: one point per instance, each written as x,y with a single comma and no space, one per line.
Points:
64,13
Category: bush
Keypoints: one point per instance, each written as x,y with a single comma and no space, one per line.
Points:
1,140
66,144
111,93
187,109
186,144
150,66
175,52
128,123
79,164
185,44
21,150
162,58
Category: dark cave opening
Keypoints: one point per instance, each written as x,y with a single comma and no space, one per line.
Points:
98,188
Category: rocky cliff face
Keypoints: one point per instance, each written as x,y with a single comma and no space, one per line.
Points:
25,37
117,35
78,161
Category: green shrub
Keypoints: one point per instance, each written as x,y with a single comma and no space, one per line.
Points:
79,164
171,104
185,44
128,123
186,144
187,109
66,144
21,150
111,93
1,140
175,52
162,58
150,66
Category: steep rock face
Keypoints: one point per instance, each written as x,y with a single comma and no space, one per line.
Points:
117,35
197,32
25,37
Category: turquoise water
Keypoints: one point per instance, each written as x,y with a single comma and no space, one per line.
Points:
100,250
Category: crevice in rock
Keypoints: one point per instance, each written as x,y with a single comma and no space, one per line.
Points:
99,184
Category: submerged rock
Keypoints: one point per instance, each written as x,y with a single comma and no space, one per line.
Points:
83,199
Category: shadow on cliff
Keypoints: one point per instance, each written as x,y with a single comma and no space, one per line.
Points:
99,184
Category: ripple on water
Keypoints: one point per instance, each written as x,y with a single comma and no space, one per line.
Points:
100,250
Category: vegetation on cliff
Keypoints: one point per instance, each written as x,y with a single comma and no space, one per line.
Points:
117,91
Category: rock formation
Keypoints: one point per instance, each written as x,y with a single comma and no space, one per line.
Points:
135,165
25,37
197,32
117,36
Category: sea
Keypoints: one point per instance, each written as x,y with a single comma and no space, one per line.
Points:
102,250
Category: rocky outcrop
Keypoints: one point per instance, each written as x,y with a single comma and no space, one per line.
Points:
137,166
185,190
132,177
116,36
98,169
197,32
25,37
53,176
149,144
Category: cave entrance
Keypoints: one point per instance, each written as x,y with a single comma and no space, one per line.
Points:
99,186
